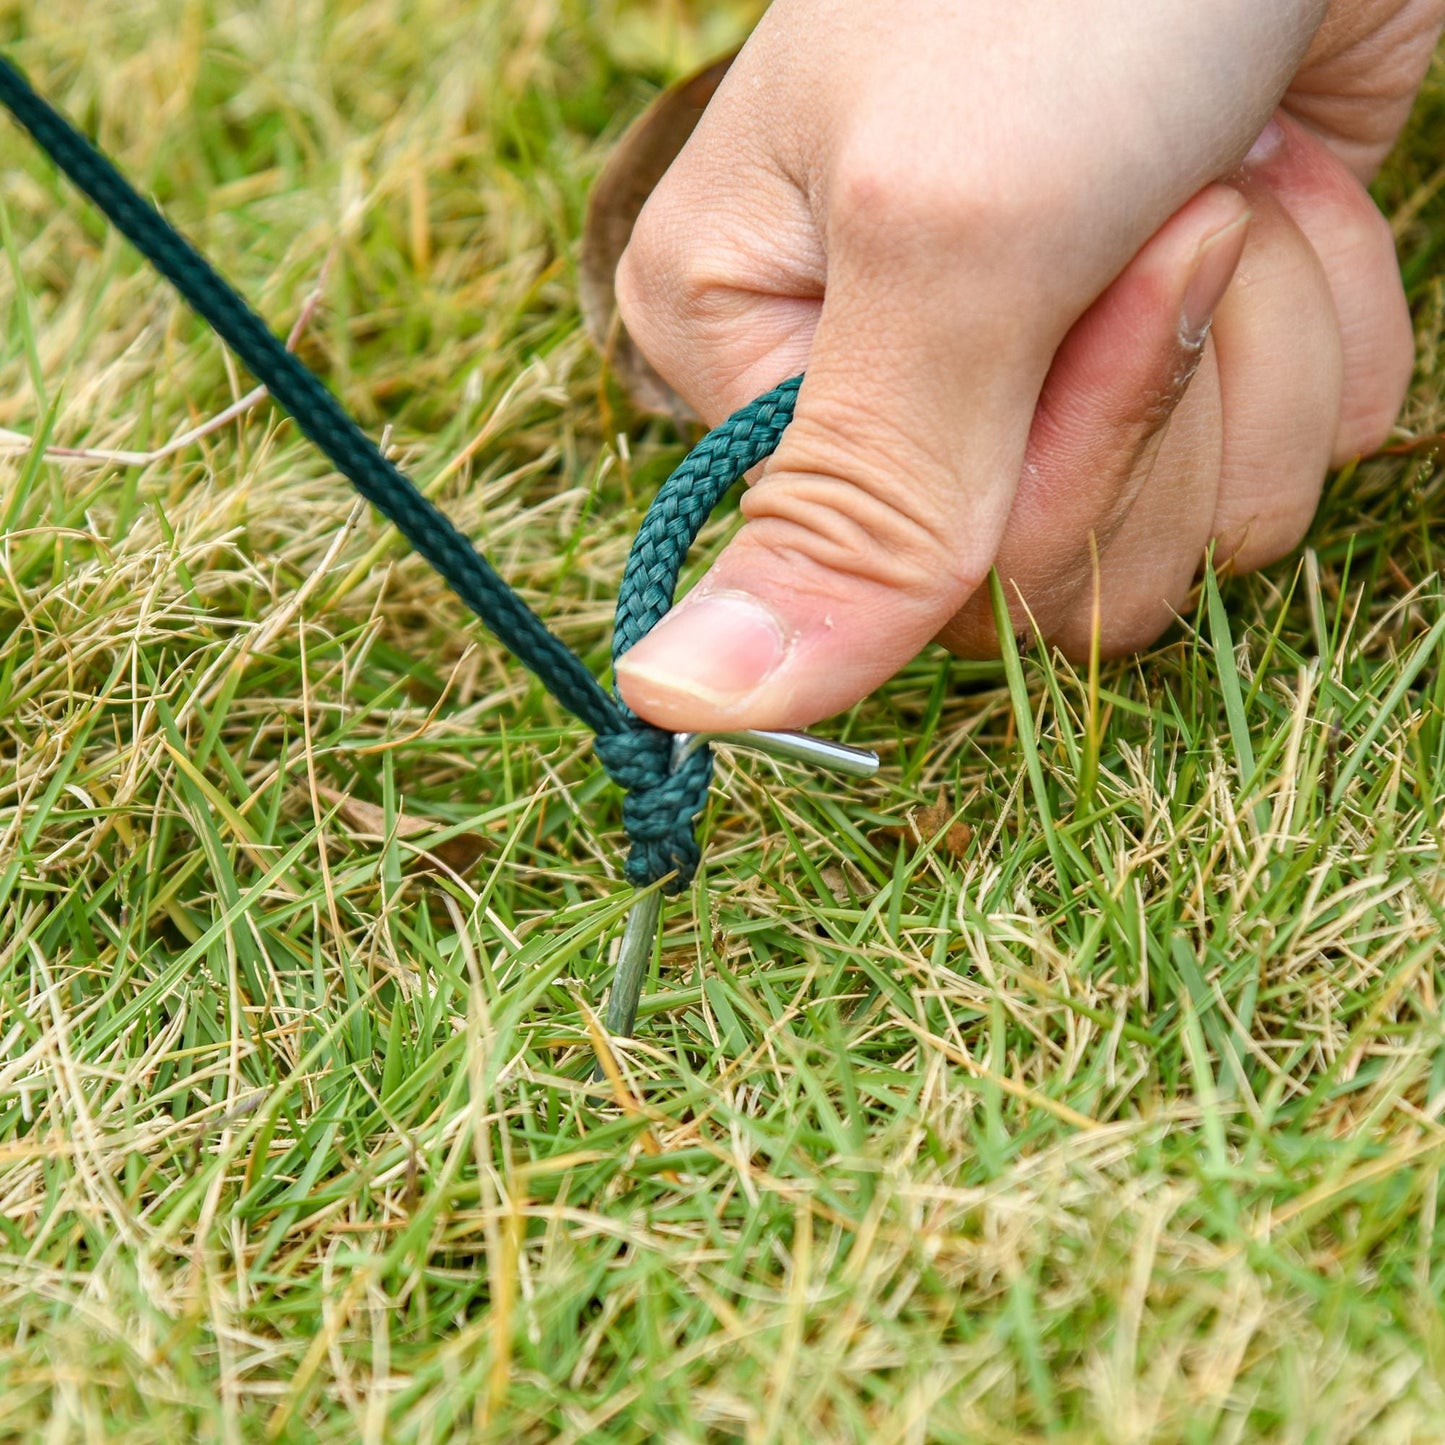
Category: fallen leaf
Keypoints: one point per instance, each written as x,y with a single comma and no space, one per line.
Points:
648,146
922,825
847,883
366,821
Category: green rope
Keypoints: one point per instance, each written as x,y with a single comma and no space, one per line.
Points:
685,502
660,803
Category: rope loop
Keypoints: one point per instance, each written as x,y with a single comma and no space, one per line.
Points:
661,806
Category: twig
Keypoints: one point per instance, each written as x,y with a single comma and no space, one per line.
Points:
12,441
1413,447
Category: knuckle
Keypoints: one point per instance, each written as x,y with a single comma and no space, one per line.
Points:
1265,537
1363,236
845,531
1131,619
1375,328
1371,398
671,291
828,507
643,284
905,200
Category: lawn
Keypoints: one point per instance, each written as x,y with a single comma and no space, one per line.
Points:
1080,1077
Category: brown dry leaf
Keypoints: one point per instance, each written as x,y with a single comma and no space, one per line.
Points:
649,145
923,825
847,883
365,820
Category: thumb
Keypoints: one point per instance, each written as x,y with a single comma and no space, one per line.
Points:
877,517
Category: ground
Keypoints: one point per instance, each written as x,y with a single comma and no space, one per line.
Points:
1081,1077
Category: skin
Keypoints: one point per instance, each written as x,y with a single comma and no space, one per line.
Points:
1113,290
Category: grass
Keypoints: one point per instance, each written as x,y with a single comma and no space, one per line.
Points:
1114,1113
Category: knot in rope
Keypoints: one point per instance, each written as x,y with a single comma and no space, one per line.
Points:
659,803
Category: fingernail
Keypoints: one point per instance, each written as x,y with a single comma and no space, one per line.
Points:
717,650
1269,141
1214,265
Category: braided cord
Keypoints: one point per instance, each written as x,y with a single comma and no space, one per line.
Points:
661,802
685,502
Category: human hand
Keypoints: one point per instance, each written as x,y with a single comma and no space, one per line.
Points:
1000,292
